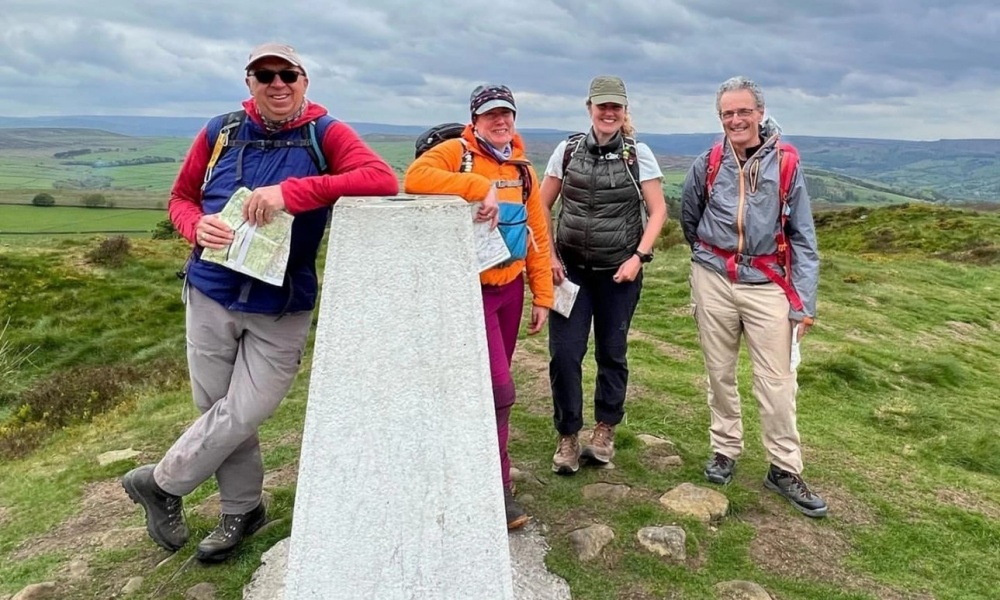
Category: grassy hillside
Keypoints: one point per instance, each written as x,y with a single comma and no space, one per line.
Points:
897,414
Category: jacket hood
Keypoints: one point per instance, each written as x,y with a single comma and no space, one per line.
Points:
312,112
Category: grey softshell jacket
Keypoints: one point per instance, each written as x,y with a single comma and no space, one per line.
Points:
742,215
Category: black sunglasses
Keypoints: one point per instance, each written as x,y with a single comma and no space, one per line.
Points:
266,76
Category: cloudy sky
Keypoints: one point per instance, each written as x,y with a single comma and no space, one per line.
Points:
908,69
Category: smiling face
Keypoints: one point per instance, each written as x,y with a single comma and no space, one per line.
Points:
607,119
741,118
496,126
277,100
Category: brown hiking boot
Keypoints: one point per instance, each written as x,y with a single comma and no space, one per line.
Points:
566,460
602,444
516,517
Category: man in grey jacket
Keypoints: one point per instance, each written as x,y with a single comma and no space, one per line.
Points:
754,274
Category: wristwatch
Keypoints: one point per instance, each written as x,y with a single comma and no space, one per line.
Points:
643,257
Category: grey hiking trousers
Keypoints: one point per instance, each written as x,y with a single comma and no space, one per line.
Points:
241,366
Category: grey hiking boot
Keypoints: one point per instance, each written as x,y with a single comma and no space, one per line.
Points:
516,517
794,489
227,535
164,512
566,460
601,448
719,469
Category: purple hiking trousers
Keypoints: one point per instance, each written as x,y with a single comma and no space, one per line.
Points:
503,305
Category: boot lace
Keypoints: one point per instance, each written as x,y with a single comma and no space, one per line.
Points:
602,435
227,528
721,461
173,506
567,445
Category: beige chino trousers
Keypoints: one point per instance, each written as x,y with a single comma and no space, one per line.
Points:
725,311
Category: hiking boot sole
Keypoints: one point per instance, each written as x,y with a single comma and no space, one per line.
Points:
588,455
137,498
565,469
816,513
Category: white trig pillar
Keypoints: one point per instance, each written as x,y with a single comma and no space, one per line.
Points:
399,493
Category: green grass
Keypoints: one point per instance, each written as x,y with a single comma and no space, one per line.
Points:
897,413
65,219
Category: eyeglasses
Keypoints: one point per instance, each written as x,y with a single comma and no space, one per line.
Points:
266,76
741,113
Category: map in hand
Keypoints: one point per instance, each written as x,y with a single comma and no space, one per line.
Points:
260,251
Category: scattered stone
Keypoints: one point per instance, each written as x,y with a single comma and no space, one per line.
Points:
201,591
520,476
78,568
123,538
269,525
37,591
532,581
210,508
665,541
525,498
132,586
606,491
589,541
690,500
656,442
740,590
116,455
268,582
666,462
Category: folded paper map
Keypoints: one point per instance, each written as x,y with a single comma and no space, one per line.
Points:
260,251
565,297
491,250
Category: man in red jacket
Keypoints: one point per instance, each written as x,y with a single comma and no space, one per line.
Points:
246,337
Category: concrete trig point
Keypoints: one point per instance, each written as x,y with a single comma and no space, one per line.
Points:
399,494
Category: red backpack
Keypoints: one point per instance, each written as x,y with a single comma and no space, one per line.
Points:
788,163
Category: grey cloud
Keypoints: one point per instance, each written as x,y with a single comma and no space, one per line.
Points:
872,66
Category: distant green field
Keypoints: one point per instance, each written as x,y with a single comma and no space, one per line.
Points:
58,220
27,169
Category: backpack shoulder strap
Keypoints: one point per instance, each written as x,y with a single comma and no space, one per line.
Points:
314,133
788,163
526,182
466,157
227,125
572,143
712,167
217,133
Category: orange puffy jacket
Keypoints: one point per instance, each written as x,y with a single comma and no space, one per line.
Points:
438,171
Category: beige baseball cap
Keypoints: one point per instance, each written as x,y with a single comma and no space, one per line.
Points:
277,50
607,88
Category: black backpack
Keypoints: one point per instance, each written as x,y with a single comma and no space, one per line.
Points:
437,134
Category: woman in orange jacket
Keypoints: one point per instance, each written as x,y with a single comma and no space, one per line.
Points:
497,173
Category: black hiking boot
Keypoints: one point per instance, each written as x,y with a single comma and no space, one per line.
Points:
227,535
516,517
719,469
795,490
164,512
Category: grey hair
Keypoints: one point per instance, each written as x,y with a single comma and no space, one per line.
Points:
734,84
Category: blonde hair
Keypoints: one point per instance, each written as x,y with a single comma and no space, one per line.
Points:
628,127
